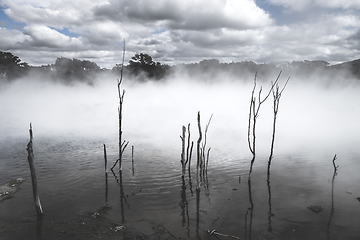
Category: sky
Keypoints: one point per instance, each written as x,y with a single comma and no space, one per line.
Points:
181,31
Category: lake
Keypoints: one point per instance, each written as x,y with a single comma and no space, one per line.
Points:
71,124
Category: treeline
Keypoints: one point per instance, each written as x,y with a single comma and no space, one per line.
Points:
141,67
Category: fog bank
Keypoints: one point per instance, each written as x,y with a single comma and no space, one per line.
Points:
311,115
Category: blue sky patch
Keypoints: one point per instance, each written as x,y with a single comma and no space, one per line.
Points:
66,31
6,22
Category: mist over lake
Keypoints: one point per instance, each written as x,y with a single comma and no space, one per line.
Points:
311,113
316,120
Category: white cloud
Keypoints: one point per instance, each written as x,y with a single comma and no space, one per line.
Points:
10,39
179,31
42,36
49,13
302,5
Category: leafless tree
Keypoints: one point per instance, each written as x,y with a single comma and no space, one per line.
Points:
255,105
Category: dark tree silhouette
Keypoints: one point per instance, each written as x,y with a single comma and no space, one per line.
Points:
11,66
143,63
74,69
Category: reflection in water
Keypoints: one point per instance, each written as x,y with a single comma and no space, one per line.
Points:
332,197
106,188
39,229
270,214
184,207
251,210
106,176
122,195
197,212
132,161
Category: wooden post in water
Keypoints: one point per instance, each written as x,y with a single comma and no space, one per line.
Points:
132,160
183,161
105,158
198,153
29,149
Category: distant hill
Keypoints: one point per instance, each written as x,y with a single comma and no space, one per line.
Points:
352,67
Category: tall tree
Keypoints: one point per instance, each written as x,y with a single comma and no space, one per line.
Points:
11,66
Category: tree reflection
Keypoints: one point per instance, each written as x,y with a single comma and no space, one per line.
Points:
106,188
184,206
270,214
249,210
332,197
122,195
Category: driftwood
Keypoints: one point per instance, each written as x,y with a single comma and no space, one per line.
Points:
9,188
214,232
29,149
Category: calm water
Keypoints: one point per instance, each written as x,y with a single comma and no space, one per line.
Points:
72,179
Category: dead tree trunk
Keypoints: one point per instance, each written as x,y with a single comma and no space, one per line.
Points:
122,144
183,161
276,95
253,114
198,152
189,153
132,161
205,159
29,149
105,158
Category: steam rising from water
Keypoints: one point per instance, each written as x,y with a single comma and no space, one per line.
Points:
310,116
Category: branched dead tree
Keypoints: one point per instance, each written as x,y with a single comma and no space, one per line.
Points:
276,96
335,167
29,149
253,114
122,144
202,160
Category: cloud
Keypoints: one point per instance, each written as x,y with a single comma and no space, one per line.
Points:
180,31
187,14
11,38
42,36
52,15
303,5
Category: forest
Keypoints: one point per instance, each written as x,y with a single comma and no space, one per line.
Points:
141,67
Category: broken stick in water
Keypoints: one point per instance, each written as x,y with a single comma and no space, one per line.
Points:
29,149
